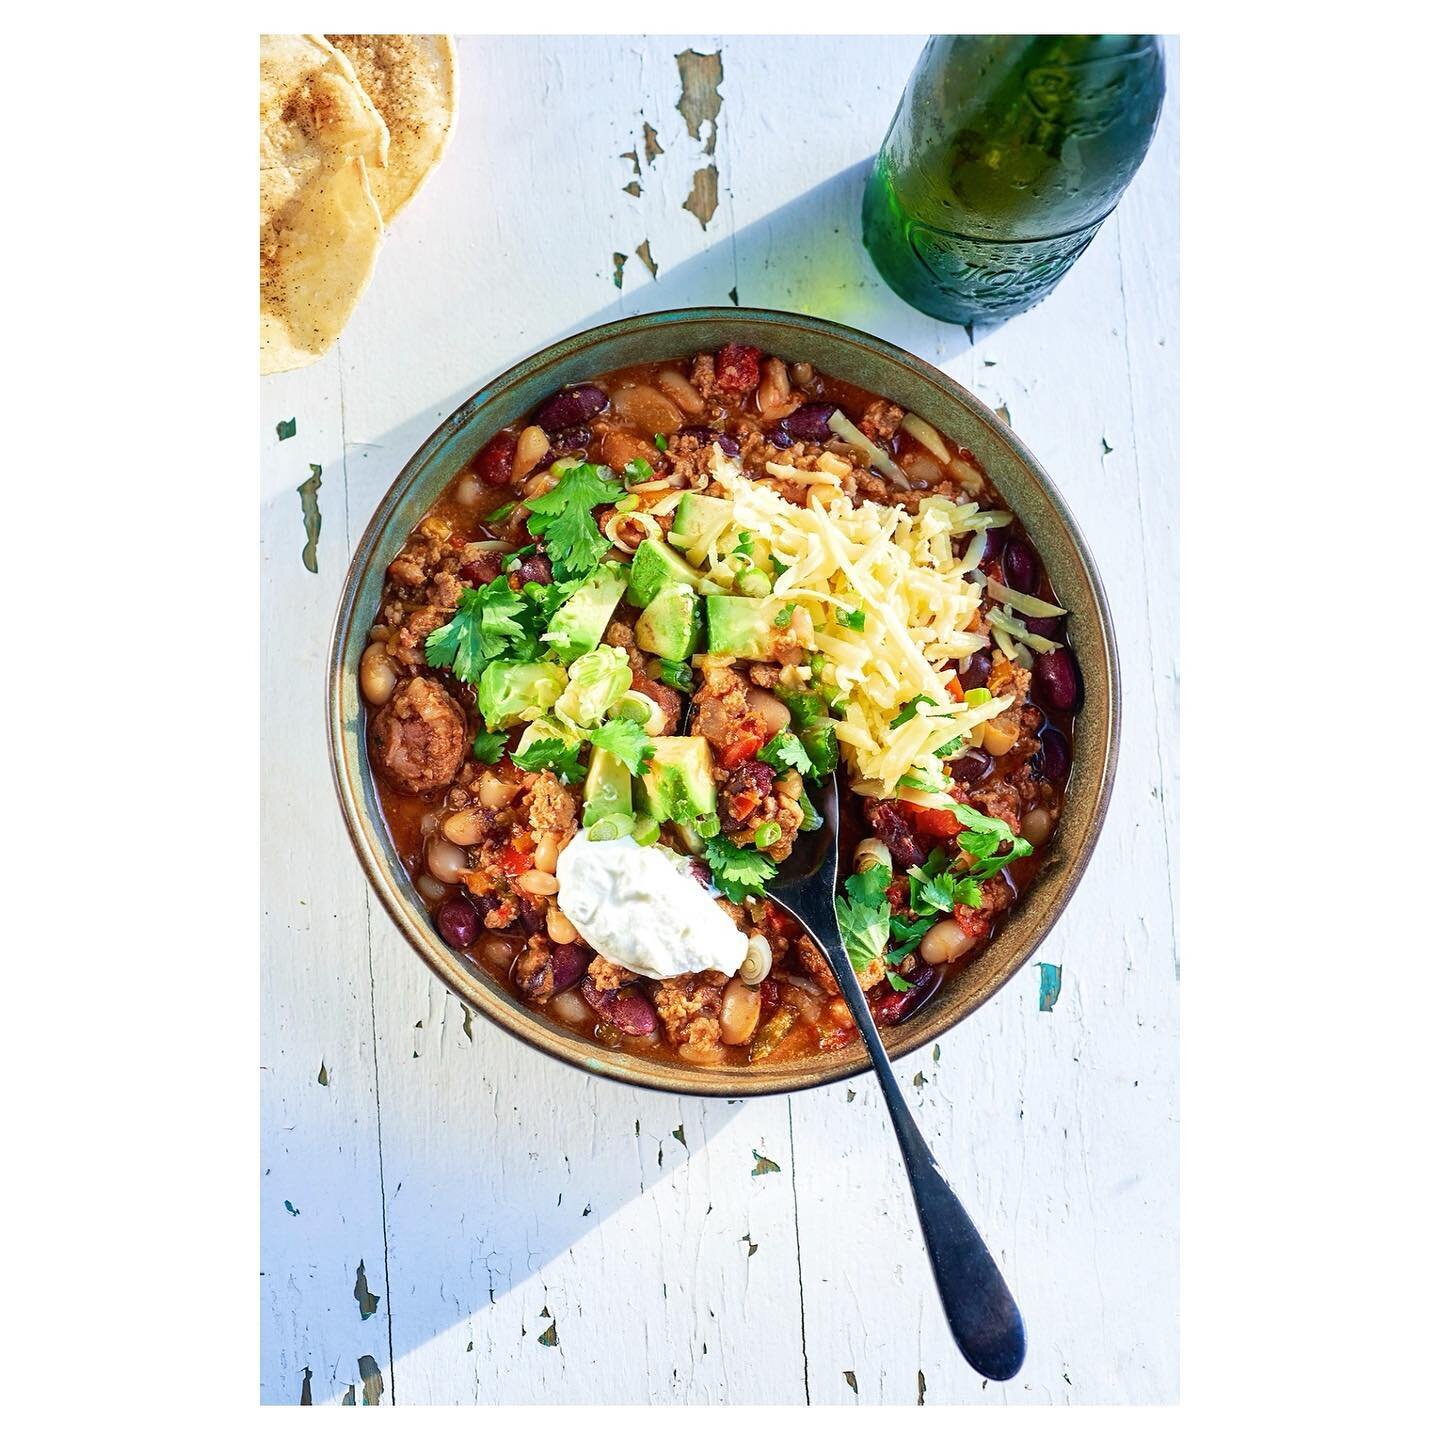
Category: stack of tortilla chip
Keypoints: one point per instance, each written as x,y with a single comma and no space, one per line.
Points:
350,126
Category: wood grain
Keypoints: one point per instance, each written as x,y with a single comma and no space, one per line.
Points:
536,1236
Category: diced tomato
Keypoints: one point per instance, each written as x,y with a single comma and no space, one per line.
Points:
515,858
954,686
743,804
739,750
937,824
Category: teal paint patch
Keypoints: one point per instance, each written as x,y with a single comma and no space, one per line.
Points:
1049,985
309,494
371,1379
548,1336
764,1165
367,1302
285,429
291,1208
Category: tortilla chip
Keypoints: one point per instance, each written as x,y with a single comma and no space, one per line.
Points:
411,81
321,140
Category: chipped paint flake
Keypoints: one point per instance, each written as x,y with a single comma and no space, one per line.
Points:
753,1244
633,158
734,294
935,1055
349,1396
1049,985
1106,448
849,1097
309,494
850,1380
704,197
548,1336
619,276
323,1078
291,1208
679,1133
371,1379
919,1079
633,188
700,98
642,252
920,1387
1003,411
764,1165
305,1379
285,429
653,147
367,1302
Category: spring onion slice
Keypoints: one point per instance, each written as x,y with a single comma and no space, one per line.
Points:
846,430
1025,604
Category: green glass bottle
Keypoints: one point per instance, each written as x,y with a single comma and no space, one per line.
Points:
1003,160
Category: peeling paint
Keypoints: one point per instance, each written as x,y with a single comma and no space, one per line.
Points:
548,1336
323,1078
849,1097
633,158
653,147
465,1023
309,494
367,1302
734,294
371,1379
619,260
704,197
1106,448
679,1133
642,252
633,188
349,1396
764,1165
1049,985
919,1079
1003,411
284,429
753,1244
850,1380
700,98
291,1208
305,1381
935,1055
920,1387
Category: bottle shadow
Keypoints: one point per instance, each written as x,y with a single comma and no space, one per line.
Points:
563,1151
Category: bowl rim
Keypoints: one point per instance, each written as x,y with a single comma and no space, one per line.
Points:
370,841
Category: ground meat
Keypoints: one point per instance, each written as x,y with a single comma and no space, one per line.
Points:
742,793
888,822
702,375
996,896
607,975
737,369
419,737
552,807
532,969
722,711
689,1009
805,952
767,677
881,419
999,799
622,635
689,459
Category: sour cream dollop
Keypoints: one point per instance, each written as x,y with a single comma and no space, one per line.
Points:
640,906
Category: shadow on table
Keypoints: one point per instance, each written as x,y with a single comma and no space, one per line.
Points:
465,1226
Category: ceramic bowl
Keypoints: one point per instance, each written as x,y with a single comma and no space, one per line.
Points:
846,354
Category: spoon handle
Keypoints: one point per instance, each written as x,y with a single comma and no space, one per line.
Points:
981,1311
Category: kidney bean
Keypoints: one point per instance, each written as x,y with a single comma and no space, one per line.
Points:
537,568
896,1005
482,569
1049,626
567,442
729,444
972,767
994,542
1052,760
1022,568
891,826
1057,679
569,408
458,922
626,1009
567,965
812,421
769,998
977,672
702,433
532,911
779,436
496,461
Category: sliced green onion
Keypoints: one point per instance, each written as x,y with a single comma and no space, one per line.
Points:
812,819
977,697
708,826
753,582
646,830
1025,604
767,832
626,503
612,827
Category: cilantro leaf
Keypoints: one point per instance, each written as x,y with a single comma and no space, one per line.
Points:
627,740
909,934
932,893
500,512
636,472
822,748
983,837
911,781
950,747
968,892
851,619
898,981
910,709
737,873
785,752
782,616
677,675
864,916
563,517
481,630
556,755
488,747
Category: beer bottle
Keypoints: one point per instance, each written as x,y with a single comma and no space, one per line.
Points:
1004,158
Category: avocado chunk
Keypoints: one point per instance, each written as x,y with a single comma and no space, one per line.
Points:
511,691
670,624
699,519
579,624
656,565
607,786
678,782
744,626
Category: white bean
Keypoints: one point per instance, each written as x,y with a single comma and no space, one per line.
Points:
570,1009
377,674
1037,825
446,862
464,827
739,1012
547,853
559,928
944,942
775,713
495,794
537,882
530,450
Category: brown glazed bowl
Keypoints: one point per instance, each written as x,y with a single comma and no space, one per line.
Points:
847,354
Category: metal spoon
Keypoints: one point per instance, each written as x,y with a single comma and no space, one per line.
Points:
983,1316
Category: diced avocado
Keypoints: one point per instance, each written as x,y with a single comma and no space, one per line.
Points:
579,624
547,727
670,624
743,625
699,519
607,786
656,565
678,782
510,691
598,679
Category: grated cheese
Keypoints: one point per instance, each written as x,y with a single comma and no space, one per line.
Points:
919,601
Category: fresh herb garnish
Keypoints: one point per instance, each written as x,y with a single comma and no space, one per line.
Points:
785,752
910,709
557,755
637,471
500,512
677,675
822,748
627,740
951,746
851,619
488,746
562,515
982,838
911,781
745,545
864,916
737,873
908,934
805,709
484,627
810,818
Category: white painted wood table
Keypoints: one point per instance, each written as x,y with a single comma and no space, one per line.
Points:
449,1217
